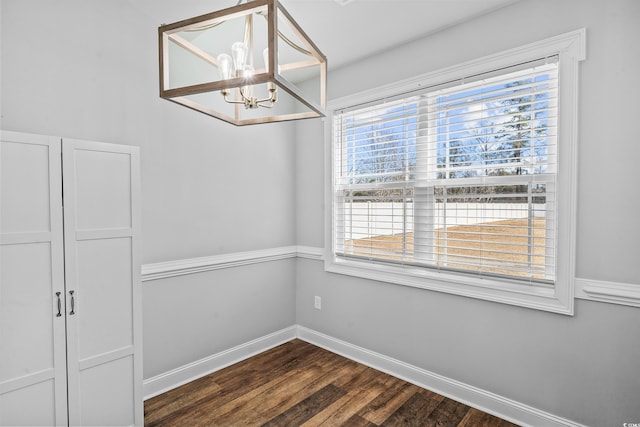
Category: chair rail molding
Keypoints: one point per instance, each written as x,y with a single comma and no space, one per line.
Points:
163,270
311,252
167,269
587,289
611,292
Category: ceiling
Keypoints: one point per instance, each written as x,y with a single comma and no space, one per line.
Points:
348,30
362,28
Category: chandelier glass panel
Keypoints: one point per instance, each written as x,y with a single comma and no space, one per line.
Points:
247,64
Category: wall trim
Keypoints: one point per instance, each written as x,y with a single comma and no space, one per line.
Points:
594,290
611,292
184,374
167,269
163,270
483,400
311,252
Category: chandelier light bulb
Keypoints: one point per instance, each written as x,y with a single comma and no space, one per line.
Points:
239,51
225,66
247,73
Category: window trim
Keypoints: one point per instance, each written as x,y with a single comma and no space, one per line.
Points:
571,49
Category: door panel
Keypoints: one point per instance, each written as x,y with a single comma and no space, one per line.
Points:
104,296
32,336
26,310
109,207
25,187
107,393
104,331
30,406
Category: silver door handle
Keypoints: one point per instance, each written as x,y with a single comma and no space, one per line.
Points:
59,305
73,303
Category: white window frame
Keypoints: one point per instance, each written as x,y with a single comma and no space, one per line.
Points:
571,49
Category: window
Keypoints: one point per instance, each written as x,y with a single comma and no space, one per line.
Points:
454,184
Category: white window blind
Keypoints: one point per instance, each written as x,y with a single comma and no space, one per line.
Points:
455,178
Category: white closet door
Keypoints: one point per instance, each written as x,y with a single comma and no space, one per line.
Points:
101,220
32,324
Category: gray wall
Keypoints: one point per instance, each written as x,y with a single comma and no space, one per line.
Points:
191,317
88,69
585,368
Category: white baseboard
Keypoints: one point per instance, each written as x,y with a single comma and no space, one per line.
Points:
192,371
483,400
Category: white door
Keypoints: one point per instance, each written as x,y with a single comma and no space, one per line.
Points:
32,322
101,220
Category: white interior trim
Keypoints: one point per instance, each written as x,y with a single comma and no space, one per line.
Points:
587,289
310,252
611,292
166,269
163,270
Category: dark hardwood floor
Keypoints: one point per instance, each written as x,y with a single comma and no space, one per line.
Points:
299,384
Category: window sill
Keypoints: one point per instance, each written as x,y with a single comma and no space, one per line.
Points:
487,288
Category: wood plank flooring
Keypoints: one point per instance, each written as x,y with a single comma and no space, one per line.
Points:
299,384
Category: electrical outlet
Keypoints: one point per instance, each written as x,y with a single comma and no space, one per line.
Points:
317,303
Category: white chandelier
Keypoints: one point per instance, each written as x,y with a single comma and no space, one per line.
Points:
208,63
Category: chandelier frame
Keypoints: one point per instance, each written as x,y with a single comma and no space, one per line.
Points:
171,37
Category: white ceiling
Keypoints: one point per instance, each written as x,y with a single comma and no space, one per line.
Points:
351,30
362,28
